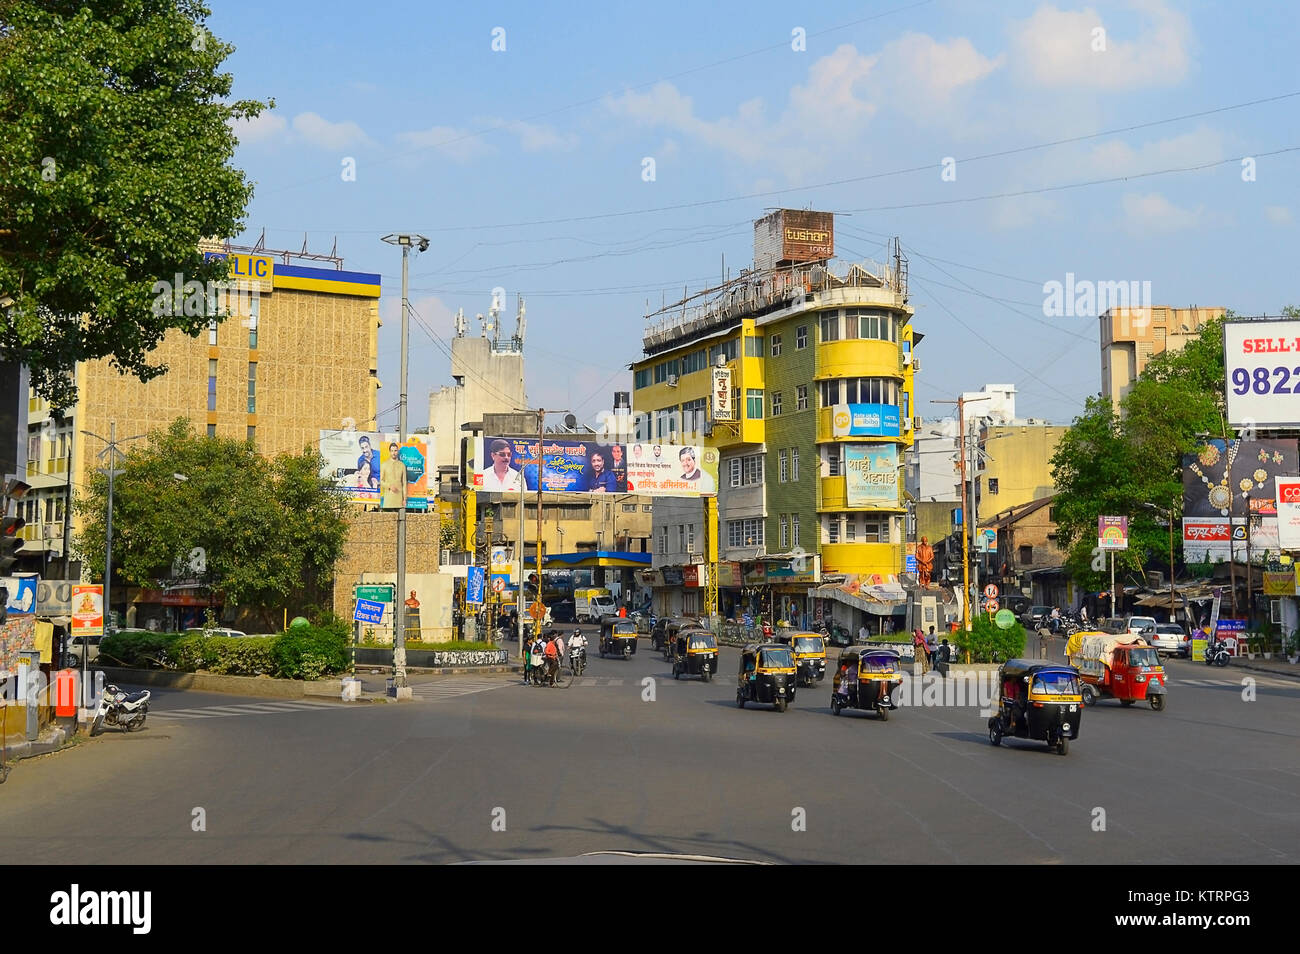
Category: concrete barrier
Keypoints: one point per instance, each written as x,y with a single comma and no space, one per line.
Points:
209,682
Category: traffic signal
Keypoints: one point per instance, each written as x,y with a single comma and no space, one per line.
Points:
10,542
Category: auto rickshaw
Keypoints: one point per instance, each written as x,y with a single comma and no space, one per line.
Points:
1037,701
809,656
1125,667
695,653
767,674
867,679
617,636
666,629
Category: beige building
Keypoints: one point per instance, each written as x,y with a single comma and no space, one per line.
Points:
298,354
1130,337
1016,467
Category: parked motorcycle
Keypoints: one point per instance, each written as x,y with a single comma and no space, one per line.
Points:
1217,654
127,710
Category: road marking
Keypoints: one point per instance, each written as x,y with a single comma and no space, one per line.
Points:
247,709
438,691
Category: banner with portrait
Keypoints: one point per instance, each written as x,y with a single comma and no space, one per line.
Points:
375,469
571,465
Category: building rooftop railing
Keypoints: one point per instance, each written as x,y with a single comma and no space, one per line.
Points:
757,292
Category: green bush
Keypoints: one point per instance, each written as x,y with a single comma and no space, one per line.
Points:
986,639
310,652
146,650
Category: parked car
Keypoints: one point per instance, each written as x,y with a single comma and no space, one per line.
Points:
214,632
72,657
1136,624
1034,616
1169,639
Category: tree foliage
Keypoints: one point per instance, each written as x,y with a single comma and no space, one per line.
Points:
268,527
114,163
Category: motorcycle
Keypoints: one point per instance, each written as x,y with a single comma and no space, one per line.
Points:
1217,654
124,709
578,660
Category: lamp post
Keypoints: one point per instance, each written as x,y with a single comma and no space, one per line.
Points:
405,241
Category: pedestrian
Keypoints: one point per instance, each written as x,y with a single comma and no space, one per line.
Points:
864,634
931,645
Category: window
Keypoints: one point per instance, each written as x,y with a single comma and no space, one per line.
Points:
629,508
664,370
252,434
867,323
735,398
850,527
829,393
745,533
776,345
1051,514
776,403
801,337
870,391
830,326
666,424
690,538
663,540
833,528
782,466
794,529
785,531
252,387
681,537
1026,555
212,332
993,485
794,464
212,430
754,404
212,383
642,379
746,471
695,361
34,448
643,427
835,460
876,529
254,314
729,350
646,508
693,416
754,346
801,398
735,471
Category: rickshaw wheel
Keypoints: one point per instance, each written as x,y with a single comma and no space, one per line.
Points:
1126,702
677,674
1063,747
835,705
780,705
1157,703
740,700
1089,695
883,712
705,674
995,732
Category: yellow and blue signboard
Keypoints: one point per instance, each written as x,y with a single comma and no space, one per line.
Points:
264,270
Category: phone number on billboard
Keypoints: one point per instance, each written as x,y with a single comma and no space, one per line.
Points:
1244,381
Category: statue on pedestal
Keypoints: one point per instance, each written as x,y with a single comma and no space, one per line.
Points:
924,561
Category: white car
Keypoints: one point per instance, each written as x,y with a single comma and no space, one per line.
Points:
1169,638
216,632
1135,624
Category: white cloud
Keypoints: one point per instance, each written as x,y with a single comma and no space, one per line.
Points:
267,127
920,69
1152,213
1116,157
459,145
1278,214
1056,48
535,138
1024,211
318,131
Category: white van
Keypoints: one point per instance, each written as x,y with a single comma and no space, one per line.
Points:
1135,624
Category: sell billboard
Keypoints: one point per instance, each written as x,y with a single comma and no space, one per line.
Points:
376,469
1260,361
871,474
866,420
581,466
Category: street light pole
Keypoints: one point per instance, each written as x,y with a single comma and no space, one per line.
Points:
405,241
961,403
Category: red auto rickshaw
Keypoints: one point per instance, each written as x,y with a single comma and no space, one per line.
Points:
1123,667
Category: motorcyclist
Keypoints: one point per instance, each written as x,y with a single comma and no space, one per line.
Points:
577,643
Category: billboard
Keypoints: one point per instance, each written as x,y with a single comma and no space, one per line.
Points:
722,407
1205,539
866,420
1260,361
793,235
570,465
22,593
87,609
871,474
1112,533
374,469
1237,476
1288,512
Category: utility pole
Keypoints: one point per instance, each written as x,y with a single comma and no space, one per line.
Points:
405,241
519,555
541,421
961,403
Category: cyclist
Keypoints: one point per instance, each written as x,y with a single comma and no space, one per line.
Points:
552,653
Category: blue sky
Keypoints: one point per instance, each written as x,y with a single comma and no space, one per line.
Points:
524,165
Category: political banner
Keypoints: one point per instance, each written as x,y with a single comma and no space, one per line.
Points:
586,466
375,469
871,474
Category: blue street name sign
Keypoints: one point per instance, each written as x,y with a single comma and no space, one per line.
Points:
368,611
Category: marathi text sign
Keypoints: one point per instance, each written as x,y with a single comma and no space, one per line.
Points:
1112,533
1205,539
87,609
375,469
871,474
722,407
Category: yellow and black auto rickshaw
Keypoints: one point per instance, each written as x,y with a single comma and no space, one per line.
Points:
867,679
695,653
809,656
1037,701
767,674
617,636
666,629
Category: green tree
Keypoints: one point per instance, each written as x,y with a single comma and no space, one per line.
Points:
271,529
114,163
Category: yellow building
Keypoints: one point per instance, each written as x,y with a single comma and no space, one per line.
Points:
298,354
822,366
1016,466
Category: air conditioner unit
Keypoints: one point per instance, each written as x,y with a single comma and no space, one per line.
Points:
916,423
907,359
672,380
916,364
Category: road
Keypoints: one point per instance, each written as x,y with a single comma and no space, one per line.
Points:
484,768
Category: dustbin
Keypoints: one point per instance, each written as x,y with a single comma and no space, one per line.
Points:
351,690
390,687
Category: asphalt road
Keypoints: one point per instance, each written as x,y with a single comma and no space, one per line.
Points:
484,768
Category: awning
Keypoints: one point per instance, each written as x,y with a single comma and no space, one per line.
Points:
869,603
